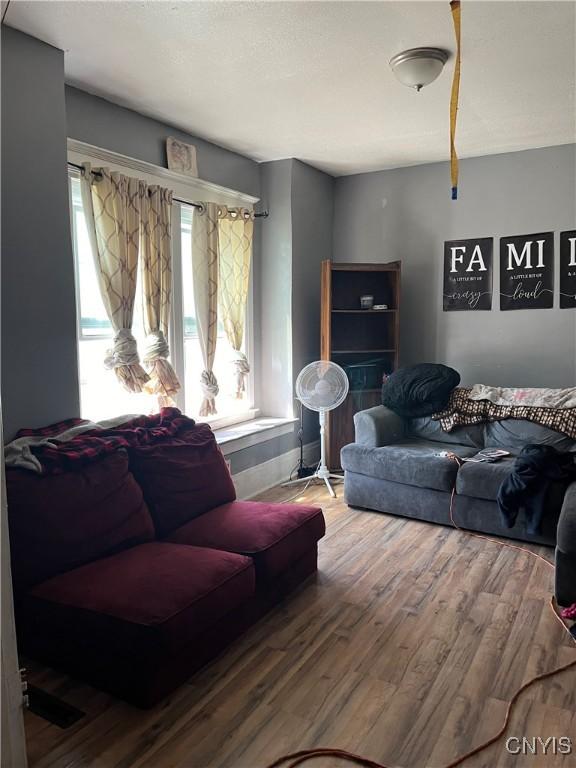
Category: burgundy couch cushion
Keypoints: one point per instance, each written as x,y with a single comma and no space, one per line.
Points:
58,522
182,478
152,598
274,535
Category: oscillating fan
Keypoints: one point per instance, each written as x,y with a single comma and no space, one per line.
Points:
321,386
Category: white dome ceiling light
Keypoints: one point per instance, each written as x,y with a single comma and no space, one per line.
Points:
418,67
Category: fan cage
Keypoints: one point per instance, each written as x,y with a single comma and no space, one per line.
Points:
312,375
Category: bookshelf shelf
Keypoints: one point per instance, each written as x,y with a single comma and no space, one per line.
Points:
367,312
362,351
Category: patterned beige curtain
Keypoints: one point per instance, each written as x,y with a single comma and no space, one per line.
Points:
112,205
235,234
155,245
205,278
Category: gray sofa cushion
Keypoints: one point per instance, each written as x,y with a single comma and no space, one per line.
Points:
428,429
434,506
514,434
483,480
411,462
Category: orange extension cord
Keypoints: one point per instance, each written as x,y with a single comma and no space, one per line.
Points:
298,758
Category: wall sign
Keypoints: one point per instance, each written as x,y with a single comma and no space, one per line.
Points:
568,270
527,271
181,157
468,274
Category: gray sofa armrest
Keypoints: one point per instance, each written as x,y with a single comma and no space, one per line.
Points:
378,426
566,550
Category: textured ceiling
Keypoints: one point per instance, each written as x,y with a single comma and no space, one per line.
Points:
311,79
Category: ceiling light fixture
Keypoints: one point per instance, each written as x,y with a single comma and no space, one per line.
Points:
418,67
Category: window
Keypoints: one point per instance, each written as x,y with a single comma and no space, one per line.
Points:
101,395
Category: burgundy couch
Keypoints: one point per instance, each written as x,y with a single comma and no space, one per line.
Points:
134,571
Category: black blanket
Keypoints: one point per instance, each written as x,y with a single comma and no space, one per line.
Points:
527,486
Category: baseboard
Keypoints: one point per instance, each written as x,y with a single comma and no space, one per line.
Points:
259,478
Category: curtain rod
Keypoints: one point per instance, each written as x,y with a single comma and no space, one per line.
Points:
261,215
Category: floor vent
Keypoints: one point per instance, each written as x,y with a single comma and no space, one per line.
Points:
52,708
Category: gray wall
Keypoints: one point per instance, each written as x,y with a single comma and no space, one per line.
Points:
246,458
407,214
312,227
103,124
39,353
297,237
276,289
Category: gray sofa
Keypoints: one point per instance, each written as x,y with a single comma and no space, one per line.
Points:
396,466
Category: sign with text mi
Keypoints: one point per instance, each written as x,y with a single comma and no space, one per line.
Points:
568,270
527,271
468,274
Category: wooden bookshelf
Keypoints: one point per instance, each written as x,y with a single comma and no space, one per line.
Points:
363,341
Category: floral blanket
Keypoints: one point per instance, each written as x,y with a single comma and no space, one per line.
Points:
462,409
540,398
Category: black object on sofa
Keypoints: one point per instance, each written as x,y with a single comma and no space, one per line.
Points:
419,390
397,466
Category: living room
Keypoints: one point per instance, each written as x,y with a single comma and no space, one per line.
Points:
288,325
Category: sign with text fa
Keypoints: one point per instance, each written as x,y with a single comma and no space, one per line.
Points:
527,271
568,269
468,274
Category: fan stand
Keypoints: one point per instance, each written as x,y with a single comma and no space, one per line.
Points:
322,472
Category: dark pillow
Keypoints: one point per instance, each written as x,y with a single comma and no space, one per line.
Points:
183,477
58,522
419,390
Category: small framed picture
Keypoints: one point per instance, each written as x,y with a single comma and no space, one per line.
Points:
181,157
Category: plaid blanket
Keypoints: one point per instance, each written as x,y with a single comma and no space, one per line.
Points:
462,410
54,454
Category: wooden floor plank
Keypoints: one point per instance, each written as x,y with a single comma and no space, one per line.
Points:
405,647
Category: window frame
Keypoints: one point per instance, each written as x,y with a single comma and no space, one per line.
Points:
75,173
186,188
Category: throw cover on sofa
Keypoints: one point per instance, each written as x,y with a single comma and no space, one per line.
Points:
419,390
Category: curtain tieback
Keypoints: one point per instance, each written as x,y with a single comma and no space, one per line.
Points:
242,369
241,363
124,350
209,385
156,347
209,391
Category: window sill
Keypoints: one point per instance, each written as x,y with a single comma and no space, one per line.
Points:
238,436
221,423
